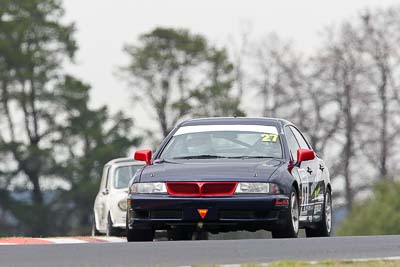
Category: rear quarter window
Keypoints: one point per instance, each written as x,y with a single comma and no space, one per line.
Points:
300,138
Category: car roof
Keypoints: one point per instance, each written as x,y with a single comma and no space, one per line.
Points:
235,120
124,161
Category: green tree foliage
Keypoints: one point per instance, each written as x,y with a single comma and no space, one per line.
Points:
215,97
33,43
49,134
91,137
377,215
170,71
160,66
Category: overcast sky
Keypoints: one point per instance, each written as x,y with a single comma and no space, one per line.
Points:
105,26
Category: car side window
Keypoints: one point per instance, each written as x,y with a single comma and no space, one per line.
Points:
292,143
108,178
300,138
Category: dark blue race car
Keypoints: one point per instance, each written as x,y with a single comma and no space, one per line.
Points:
228,174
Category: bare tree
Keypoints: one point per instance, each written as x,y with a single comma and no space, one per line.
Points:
379,43
345,69
291,87
324,94
240,50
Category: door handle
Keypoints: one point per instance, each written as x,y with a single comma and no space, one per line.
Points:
105,191
309,170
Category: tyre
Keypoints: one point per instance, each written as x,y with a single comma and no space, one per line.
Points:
111,231
324,227
180,234
139,235
291,229
95,232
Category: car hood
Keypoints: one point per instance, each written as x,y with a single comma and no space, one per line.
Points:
211,170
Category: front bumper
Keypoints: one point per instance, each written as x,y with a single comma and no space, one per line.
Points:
237,212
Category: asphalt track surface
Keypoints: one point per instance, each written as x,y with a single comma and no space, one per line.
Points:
184,253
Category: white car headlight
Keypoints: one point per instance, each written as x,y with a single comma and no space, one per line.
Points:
148,188
123,205
257,188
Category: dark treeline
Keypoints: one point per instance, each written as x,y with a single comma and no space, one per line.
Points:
345,95
49,135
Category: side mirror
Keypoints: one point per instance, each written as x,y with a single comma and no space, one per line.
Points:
305,154
143,155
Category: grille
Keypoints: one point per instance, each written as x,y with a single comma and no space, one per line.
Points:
166,214
218,188
183,189
201,188
237,214
140,214
247,214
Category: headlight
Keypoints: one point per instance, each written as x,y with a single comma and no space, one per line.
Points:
148,188
257,188
122,205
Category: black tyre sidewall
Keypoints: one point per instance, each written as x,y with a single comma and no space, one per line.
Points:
288,231
94,232
139,235
323,225
320,229
111,231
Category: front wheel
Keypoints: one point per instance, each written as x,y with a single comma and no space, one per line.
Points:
95,232
139,235
111,231
324,227
291,229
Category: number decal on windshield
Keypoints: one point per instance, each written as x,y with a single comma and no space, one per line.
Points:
269,138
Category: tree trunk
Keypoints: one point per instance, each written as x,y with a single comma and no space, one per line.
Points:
37,195
348,148
384,131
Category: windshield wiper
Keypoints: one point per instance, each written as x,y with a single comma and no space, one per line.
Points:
159,161
200,157
252,157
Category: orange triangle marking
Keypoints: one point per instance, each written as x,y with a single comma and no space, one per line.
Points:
202,212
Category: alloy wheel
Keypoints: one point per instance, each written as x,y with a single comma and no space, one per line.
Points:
294,212
328,211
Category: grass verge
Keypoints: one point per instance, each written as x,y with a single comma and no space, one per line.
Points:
326,263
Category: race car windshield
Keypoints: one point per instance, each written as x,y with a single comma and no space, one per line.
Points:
123,175
226,141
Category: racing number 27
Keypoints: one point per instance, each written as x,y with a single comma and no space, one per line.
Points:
269,137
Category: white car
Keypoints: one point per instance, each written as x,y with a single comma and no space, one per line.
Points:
110,204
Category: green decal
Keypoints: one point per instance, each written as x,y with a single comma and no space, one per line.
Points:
317,191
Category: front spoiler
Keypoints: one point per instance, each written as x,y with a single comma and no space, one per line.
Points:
237,212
